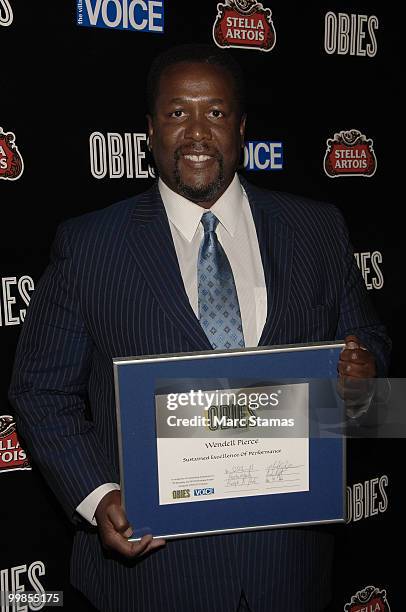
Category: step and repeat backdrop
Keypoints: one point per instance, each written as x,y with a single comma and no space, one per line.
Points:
323,121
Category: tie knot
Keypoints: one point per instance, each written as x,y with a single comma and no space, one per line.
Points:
209,222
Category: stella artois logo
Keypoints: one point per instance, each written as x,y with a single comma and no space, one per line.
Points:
349,153
244,24
11,162
12,456
369,599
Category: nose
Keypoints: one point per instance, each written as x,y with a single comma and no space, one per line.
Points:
197,128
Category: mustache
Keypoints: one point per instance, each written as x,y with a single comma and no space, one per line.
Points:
197,150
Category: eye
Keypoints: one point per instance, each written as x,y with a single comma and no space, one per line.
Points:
177,113
216,113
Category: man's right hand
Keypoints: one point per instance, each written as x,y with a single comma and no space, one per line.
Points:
114,528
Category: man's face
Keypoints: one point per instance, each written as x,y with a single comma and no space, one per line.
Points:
196,131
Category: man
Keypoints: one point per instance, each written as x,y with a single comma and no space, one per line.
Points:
128,280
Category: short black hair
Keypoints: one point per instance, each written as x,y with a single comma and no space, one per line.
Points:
194,53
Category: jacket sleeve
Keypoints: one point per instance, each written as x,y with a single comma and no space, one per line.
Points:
49,386
357,314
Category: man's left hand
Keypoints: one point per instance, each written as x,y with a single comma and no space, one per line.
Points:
356,369
355,360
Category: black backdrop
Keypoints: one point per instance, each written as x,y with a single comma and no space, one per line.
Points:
64,86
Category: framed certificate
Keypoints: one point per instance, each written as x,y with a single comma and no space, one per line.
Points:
224,441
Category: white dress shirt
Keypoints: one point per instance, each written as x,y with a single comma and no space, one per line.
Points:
237,235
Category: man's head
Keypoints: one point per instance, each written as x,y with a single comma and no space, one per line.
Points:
196,120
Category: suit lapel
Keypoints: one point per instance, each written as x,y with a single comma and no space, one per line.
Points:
276,242
150,241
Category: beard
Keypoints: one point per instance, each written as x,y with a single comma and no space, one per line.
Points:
200,193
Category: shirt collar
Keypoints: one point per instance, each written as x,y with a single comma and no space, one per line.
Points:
228,207
185,215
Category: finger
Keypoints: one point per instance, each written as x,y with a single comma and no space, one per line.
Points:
353,388
361,355
353,368
138,548
145,545
356,359
119,520
128,532
115,530
117,542
357,370
351,342
156,543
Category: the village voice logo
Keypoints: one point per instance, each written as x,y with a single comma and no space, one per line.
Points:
11,162
6,13
135,15
262,155
244,24
350,34
370,599
204,491
349,153
12,456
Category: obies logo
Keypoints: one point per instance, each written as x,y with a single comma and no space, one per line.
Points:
11,162
117,155
370,599
6,13
346,34
135,15
349,153
367,499
12,456
181,493
244,23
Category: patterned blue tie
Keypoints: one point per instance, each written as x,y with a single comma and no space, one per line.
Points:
219,311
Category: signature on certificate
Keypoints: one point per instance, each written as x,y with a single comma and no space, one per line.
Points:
241,476
281,471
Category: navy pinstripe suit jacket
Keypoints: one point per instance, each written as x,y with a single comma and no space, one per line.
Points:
114,288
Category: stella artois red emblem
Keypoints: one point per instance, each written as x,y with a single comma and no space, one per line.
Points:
12,456
244,23
11,162
349,153
369,599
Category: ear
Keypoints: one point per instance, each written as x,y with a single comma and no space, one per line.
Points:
150,131
242,128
